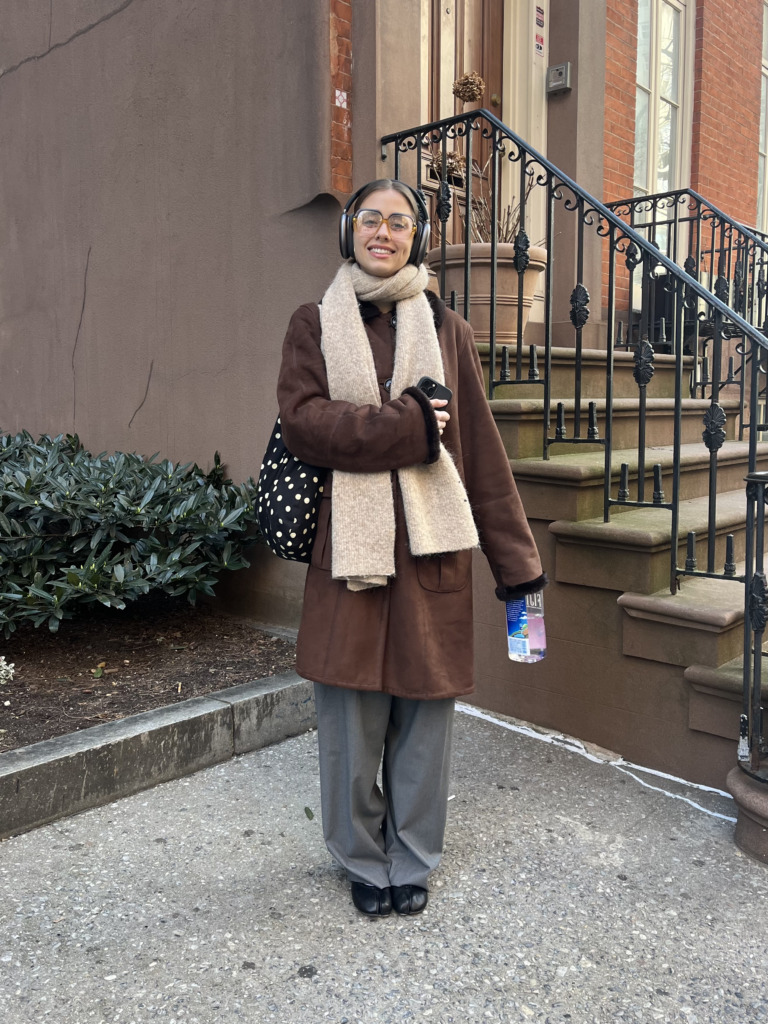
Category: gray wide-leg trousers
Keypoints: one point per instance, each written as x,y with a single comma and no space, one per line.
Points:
394,837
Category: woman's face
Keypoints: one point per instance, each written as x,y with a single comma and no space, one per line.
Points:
383,252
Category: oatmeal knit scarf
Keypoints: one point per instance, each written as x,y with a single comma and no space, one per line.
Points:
437,510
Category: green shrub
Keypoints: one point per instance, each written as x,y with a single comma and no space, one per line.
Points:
77,528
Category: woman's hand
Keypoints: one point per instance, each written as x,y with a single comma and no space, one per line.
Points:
442,417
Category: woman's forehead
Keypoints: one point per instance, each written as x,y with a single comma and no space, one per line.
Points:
389,198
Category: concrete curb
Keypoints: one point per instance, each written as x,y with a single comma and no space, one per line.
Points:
55,778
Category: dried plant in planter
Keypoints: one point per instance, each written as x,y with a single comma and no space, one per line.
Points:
481,219
455,165
469,88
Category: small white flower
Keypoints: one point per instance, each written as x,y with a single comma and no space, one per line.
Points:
6,670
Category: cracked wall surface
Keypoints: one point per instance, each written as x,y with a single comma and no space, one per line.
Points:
164,207
161,181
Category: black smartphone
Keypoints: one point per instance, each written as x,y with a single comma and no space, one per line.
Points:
434,389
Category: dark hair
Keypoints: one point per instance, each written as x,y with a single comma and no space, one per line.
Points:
383,185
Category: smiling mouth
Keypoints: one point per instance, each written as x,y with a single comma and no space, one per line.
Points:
380,251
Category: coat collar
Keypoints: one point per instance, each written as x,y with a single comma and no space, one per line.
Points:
368,310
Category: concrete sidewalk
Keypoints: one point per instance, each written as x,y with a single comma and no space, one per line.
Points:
569,892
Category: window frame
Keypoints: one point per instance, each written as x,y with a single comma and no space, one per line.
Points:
762,142
681,174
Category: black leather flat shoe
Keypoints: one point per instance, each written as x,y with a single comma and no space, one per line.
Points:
409,899
372,901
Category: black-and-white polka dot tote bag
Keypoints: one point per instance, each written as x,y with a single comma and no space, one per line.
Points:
288,496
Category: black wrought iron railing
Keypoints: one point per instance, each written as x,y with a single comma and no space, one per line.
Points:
729,259
607,284
753,750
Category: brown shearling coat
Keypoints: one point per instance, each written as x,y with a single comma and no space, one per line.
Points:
414,637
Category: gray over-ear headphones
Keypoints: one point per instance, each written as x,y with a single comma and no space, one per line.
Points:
420,239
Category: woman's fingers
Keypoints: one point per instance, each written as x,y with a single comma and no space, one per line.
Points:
441,417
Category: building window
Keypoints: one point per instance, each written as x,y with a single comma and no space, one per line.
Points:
762,205
660,82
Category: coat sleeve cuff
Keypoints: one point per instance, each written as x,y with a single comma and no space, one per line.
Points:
433,431
521,589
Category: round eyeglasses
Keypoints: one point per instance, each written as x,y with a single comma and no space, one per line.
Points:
400,225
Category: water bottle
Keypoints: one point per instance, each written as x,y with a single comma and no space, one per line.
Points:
526,636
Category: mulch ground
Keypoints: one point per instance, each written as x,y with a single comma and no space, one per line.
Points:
107,664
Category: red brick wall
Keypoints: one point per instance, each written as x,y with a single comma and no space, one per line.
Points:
620,69
341,95
726,104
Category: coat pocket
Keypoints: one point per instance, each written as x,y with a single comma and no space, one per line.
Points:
444,574
321,549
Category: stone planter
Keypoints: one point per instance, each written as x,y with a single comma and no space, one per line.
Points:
480,286
751,798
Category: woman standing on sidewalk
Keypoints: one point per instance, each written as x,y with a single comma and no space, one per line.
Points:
386,631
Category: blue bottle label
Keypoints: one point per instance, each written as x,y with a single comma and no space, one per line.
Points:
517,628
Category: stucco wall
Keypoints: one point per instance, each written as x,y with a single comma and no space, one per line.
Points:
161,213
165,204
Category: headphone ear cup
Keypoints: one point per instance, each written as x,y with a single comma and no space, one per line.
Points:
346,242
343,236
420,243
426,234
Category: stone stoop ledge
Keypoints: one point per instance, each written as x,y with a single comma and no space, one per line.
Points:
631,553
571,486
520,423
661,385
714,705
702,623
72,773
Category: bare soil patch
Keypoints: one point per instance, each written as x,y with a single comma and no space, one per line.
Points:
107,664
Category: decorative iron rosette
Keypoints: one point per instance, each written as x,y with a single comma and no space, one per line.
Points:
722,288
690,266
644,367
738,288
713,434
761,288
758,612
579,306
522,245
633,257
444,202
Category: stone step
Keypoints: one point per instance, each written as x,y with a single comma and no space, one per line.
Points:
716,695
703,623
632,552
662,384
571,486
521,428
701,628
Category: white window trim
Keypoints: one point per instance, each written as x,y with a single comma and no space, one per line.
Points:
682,178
